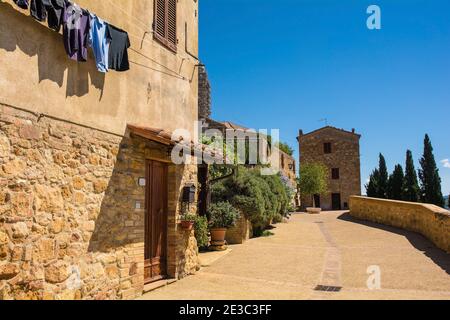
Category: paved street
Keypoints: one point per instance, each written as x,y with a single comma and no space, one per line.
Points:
330,249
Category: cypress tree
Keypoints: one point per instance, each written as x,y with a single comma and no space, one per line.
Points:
383,178
411,184
430,180
372,186
395,186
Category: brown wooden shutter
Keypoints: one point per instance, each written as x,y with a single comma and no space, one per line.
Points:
165,22
172,23
160,18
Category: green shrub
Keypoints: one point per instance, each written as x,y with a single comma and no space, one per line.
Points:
263,199
189,217
222,215
313,180
201,231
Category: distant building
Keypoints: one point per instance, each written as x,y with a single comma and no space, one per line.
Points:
287,162
338,150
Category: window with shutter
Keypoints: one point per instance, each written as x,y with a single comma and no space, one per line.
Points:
165,23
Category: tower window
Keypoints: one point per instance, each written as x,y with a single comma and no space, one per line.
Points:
327,148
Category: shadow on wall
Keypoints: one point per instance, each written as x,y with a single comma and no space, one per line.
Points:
439,257
32,38
118,223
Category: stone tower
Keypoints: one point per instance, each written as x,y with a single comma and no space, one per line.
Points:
338,150
204,94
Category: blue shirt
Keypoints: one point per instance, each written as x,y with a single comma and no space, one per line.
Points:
100,40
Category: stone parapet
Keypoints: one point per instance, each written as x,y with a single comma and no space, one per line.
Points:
429,220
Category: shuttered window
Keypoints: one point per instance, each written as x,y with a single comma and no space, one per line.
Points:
165,22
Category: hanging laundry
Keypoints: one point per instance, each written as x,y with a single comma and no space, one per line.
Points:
37,9
118,50
21,3
76,25
100,41
55,12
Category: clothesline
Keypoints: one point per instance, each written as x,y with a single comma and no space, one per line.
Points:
142,39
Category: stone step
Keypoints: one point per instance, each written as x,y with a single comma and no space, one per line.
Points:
157,285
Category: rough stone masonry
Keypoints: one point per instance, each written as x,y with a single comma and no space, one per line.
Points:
68,227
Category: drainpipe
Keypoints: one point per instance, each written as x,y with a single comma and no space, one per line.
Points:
186,43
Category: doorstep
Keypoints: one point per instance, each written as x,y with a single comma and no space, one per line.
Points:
157,284
209,257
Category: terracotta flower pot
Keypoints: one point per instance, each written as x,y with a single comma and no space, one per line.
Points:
187,225
218,235
313,210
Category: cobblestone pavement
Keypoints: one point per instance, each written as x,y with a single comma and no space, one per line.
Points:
331,250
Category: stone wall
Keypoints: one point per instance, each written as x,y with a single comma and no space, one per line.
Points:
68,224
204,94
345,156
429,220
241,232
288,167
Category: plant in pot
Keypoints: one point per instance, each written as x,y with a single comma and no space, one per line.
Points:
313,181
188,221
222,216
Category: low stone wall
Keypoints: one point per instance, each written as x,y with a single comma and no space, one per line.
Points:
429,220
241,232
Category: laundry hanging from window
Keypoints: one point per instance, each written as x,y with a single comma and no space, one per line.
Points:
37,9
100,41
23,4
118,51
81,30
76,26
55,13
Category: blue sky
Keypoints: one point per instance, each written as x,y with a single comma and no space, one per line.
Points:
289,63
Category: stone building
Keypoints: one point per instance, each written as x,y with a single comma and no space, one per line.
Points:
286,162
204,94
89,198
338,150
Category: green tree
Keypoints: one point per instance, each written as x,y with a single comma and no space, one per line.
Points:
383,178
430,180
372,186
411,183
396,182
313,180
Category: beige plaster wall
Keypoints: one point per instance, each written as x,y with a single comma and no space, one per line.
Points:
36,75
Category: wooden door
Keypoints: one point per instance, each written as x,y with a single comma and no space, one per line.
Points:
336,201
156,222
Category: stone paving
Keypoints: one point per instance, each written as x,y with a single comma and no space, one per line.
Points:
332,250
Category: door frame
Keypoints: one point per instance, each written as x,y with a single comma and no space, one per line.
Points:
147,228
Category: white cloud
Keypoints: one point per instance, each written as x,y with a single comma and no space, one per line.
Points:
446,163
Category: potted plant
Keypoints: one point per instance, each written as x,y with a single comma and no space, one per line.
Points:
313,180
188,221
222,216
